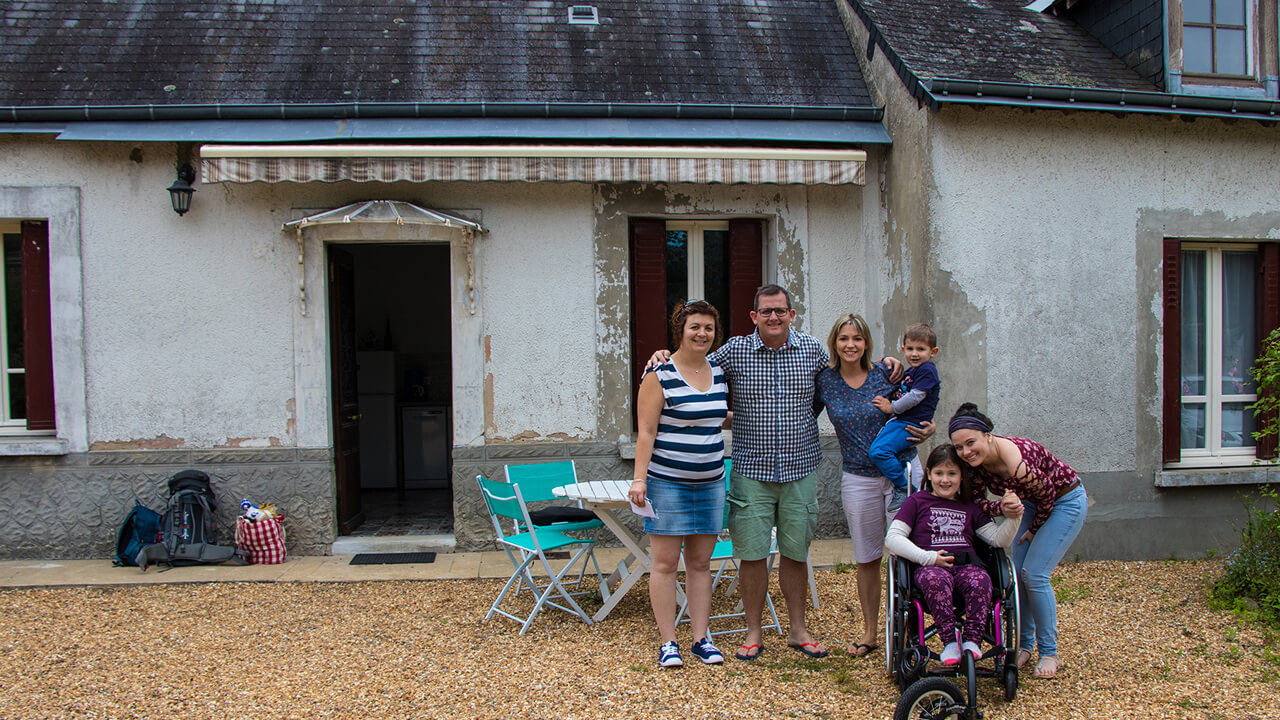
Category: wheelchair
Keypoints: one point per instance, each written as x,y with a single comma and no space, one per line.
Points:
917,668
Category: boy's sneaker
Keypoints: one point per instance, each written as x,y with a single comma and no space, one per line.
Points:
973,649
669,655
899,497
951,654
707,652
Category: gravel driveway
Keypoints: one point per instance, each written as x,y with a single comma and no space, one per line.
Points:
1137,641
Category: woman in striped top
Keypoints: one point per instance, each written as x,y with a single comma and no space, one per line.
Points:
681,412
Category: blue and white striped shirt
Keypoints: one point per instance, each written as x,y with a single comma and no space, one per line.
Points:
689,446
775,434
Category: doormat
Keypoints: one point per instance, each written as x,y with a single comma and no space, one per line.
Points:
400,558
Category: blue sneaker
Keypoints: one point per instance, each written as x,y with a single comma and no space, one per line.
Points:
899,497
669,655
707,652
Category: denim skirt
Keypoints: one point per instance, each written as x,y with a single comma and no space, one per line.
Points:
685,508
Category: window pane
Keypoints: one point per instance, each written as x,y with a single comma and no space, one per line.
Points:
1229,12
677,268
1239,322
1229,53
1193,427
17,396
715,263
1193,322
1237,425
1197,11
1197,50
13,301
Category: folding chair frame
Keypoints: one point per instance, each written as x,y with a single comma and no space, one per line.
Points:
724,553
530,545
537,480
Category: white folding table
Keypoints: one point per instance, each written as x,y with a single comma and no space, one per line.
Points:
605,498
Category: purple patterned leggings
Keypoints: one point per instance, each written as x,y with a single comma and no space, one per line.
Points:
974,585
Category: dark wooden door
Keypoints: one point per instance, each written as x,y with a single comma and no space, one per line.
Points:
346,406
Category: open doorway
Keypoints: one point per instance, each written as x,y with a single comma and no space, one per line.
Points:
398,336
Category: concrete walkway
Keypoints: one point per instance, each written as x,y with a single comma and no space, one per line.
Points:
313,568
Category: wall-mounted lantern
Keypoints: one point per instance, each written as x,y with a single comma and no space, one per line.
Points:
180,191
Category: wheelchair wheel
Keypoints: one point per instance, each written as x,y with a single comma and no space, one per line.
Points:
931,699
892,628
1010,683
1013,615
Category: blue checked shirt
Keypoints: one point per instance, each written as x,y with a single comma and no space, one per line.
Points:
775,433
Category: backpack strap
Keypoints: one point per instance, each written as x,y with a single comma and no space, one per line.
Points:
152,554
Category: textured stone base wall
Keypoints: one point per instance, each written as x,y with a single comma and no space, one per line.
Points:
72,506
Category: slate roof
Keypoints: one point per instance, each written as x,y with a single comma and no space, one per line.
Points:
165,52
997,41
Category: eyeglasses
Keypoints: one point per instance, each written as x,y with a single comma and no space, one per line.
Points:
766,312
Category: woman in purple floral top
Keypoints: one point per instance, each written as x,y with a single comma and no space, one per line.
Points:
1056,507
846,390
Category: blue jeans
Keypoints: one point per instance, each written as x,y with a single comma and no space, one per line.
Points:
891,450
1036,560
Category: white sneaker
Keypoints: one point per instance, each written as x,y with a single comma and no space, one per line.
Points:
973,649
951,654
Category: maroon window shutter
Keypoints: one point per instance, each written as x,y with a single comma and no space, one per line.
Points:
746,268
1172,350
1268,320
648,294
37,335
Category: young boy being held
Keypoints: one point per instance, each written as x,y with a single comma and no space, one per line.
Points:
916,402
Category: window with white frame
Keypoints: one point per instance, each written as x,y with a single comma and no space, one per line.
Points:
698,263
1219,331
13,395
1217,37
26,372
720,261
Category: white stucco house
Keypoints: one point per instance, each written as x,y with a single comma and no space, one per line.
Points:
1014,176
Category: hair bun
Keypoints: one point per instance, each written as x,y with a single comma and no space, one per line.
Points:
969,409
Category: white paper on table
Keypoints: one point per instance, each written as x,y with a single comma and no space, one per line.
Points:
645,511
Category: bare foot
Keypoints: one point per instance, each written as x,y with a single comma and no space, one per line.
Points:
1024,657
1047,667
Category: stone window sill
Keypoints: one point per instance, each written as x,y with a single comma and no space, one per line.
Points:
1185,477
32,445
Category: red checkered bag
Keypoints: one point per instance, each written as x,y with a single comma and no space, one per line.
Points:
262,540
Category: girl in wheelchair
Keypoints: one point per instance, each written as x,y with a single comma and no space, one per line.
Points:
936,529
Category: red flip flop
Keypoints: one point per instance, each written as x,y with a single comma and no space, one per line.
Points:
805,648
743,649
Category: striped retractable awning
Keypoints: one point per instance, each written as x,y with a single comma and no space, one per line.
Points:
363,163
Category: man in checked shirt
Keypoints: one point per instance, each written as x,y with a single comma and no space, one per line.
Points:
771,375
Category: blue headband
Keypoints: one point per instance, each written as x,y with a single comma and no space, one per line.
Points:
969,422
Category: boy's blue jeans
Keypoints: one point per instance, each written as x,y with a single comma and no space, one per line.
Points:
891,450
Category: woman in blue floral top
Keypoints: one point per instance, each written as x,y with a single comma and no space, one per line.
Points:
846,390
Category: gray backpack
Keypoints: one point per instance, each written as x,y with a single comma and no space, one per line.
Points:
187,532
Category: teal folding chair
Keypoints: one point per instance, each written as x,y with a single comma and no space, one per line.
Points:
505,502
537,482
728,571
